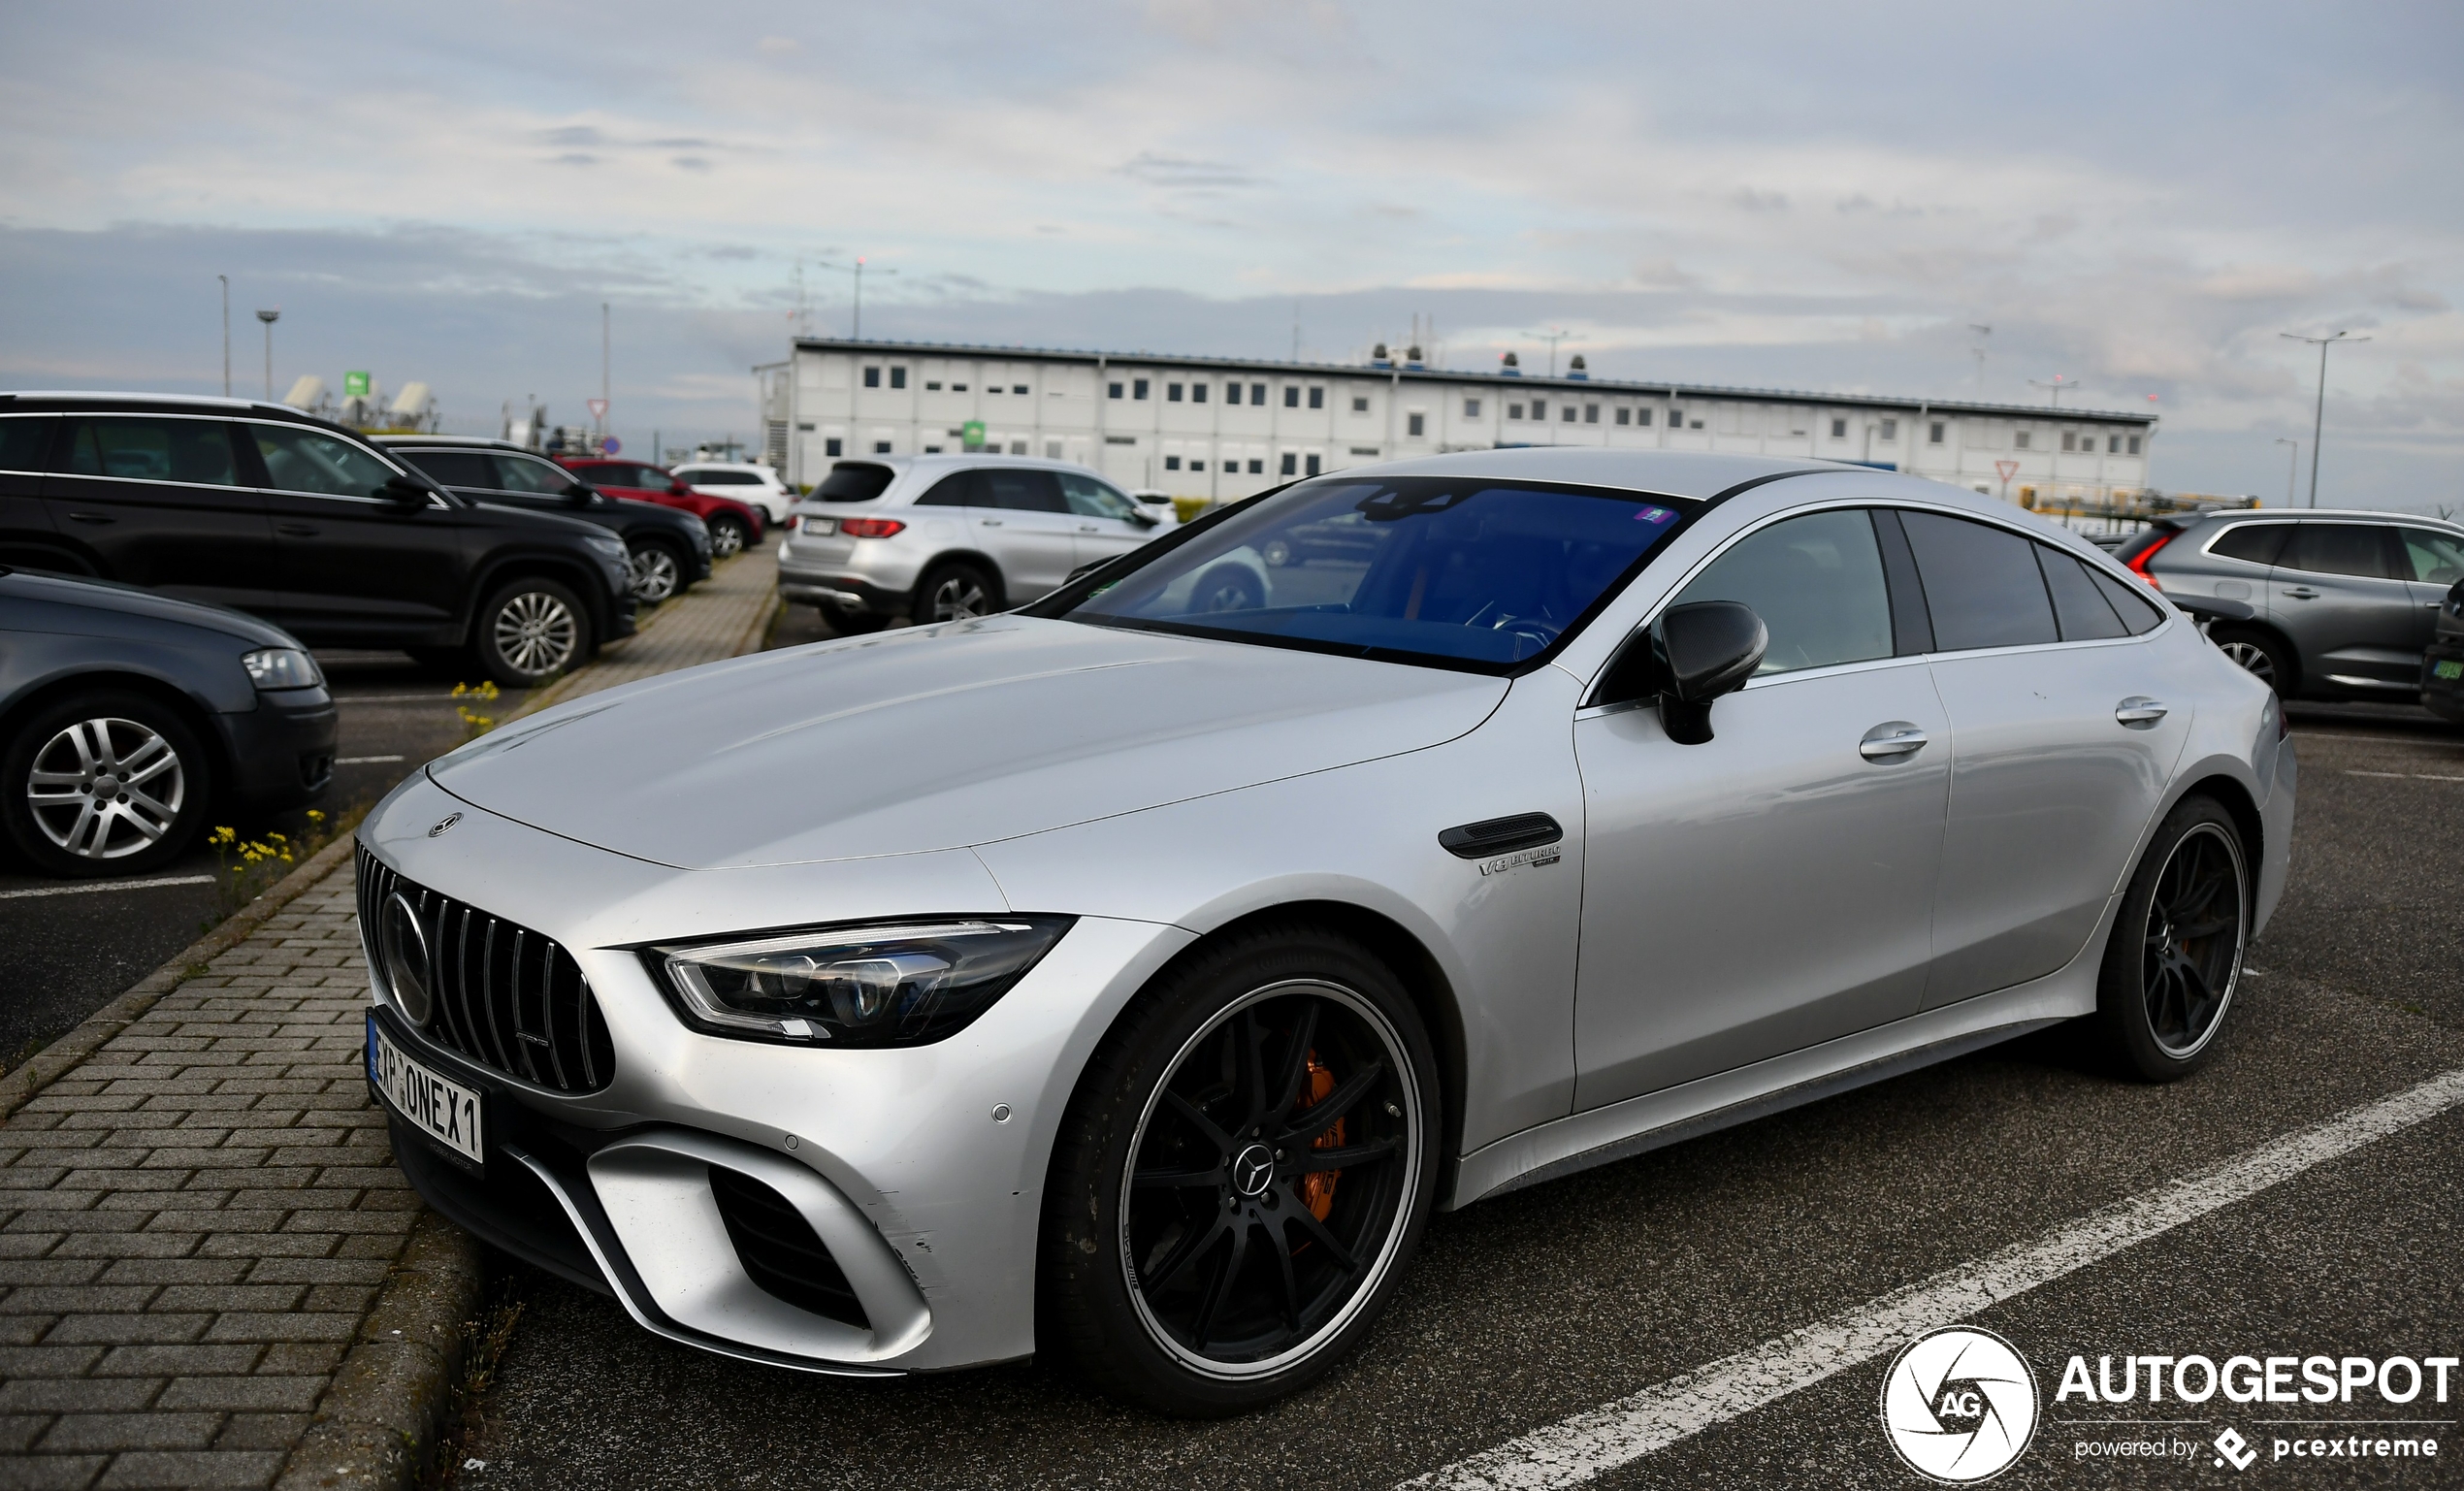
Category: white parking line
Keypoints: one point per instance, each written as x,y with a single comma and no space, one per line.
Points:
107,885
2403,776
1576,1449
363,760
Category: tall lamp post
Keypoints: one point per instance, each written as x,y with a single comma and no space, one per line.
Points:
269,317
1984,339
226,334
1553,336
2318,416
858,334
2292,465
2058,384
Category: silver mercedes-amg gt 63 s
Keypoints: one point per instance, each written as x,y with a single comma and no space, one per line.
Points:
1129,977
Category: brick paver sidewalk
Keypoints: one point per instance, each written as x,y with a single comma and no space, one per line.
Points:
198,1219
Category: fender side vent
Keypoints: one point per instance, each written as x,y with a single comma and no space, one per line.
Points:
1499,835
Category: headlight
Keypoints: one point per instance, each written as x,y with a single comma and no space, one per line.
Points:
281,668
610,546
883,985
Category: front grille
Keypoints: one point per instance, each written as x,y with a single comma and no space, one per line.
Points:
505,997
779,1249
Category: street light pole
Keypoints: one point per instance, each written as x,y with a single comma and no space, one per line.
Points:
858,334
269,317
2292,465
2318,415
2058,384
226,334
1553,336
1984,339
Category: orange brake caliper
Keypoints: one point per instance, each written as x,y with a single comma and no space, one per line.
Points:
1317,1187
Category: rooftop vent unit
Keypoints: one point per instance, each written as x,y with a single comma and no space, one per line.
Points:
1577,369
1412,358
308,393
1511,366
1378,357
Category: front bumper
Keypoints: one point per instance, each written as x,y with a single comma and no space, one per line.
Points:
281,752
926,1202
2443,696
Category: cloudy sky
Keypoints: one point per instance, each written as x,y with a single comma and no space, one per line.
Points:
2137,198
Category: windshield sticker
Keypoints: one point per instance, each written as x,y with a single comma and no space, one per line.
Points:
1655,516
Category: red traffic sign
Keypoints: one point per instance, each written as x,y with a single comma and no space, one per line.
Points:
2008,468
598,407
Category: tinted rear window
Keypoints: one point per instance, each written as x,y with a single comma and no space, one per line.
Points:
1981,584
23,443
956,490
452,468
854,481
2338,548
2257,543
2137,611
2082,609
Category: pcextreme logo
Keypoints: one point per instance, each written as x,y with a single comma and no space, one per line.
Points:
1959,1404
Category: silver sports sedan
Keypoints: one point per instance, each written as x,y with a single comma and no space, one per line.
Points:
1129,977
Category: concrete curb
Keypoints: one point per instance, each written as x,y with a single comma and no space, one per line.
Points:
62,1057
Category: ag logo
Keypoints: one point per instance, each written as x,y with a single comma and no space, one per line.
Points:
1959,1404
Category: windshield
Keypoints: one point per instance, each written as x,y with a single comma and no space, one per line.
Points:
1453,572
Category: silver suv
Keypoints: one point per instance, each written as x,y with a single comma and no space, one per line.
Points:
939,537
2342,605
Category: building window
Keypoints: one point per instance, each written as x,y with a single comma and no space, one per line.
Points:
1257,394
1359,404
933,450
1197,394
1565,412
1172,463
2113,444
1625,416
1114,390
881,447
1172,393
1138,388
2134,445
1415,425
898,377
933,387
1642,417
1364,450
872,377
1890,430
1317,401
1291,464
1291,401
1513,411
1018,447
2069,439
1018,388
957,388
991,388
833,447
1257,468
1934,433
1591,413
1471,409
2019,441
1231,393
1197,465
1676,419
1313,464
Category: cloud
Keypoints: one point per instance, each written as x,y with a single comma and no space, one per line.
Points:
777,46
1183,173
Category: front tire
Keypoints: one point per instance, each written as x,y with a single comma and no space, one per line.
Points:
728,537
108,783
657,572
529,631
1192,1258
2175,958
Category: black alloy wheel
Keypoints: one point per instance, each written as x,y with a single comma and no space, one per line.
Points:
108,783
957,591
2175,958
728,537
1248,1163
657,574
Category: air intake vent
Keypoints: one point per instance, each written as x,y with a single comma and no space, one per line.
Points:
500,995
779,1249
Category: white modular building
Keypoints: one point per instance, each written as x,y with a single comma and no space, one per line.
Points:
1219,428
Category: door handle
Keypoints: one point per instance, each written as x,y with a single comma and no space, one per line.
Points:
92,517
294,531
2302,593
989,522
1892,740
2139,709
1088,528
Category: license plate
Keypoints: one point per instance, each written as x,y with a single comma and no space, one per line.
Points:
2451,667
818,526
445,1110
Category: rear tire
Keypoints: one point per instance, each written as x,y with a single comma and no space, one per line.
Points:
106,783
728,537
1191,1259
658,572
957,589
2175,958
529,631
2261,656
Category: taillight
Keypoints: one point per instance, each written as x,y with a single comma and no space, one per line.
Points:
2137,563
871,528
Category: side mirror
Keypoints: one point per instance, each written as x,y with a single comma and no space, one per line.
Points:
405,492
1142,517
579,495
678,489
1703,650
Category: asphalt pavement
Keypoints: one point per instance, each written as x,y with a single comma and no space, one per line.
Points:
1525,1310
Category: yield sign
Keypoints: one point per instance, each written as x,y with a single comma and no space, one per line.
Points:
2008,468
599,409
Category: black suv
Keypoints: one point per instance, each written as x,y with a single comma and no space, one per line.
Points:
264,510
671,549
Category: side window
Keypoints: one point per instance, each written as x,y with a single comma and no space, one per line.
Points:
2256,543
2138,613
2437,557
1019,491
190,451
1817,583
25,442
453,468
956,490
2079,607
1089,497
1982,587
2339,548
303,460
522,474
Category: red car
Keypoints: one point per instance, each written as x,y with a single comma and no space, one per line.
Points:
733,524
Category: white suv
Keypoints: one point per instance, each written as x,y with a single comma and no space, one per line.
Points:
939,537
757,485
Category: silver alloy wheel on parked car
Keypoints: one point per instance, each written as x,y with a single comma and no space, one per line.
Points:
2194,940
536,631
957,595
105,788
654,573
727,537
2252,656
1271,1179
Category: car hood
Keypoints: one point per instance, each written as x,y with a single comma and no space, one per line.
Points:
86,608
943,736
